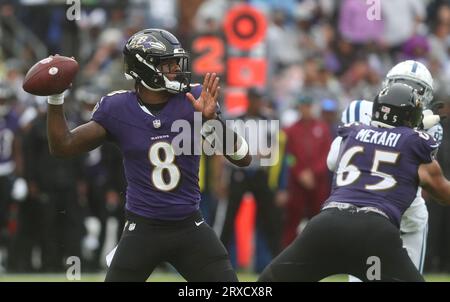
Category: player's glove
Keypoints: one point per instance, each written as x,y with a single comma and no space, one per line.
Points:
429,119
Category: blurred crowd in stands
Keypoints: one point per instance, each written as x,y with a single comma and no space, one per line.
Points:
321,54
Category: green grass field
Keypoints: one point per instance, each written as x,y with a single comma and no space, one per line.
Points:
162,277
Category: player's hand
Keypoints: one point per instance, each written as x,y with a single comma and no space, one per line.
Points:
207,101
281,198
306,179
430,119
112,200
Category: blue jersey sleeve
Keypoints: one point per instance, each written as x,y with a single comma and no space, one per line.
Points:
437,133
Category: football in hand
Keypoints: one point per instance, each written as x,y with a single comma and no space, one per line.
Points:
51,75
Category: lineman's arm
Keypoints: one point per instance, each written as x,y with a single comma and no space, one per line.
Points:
434,182
333,154
64,142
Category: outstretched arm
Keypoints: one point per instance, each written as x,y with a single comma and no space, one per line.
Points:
64,142
207,105
333,154
433,181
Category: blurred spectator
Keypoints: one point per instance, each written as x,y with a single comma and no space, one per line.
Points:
343,55
402,19
94,185
14,76
329,114
57,218
439,39
105,67
281,43
308,142
360,80
11,163
354,24
90,24
210,15
254,179
318,82
211,186
288,7
415,48
163,14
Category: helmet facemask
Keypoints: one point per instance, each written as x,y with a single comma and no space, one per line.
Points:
423,90
414,74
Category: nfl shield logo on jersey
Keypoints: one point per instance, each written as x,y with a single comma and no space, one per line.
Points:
157,123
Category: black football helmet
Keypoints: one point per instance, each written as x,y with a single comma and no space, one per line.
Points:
397,105
146,50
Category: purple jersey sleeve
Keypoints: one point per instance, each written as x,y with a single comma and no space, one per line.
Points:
104,114
14,122
100,113
423,146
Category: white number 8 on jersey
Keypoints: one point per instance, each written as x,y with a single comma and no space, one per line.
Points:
160,165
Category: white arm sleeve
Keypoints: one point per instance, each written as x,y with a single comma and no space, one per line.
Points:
334,153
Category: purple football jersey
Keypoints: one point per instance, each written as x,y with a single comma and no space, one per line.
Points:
161,185
9,126
378,167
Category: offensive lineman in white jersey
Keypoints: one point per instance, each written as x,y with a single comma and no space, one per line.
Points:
414,223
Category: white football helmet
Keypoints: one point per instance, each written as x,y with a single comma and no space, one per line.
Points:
357,111
414,74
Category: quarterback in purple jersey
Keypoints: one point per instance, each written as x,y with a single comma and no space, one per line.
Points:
379,170
162,199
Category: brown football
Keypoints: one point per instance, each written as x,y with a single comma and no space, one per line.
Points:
51,75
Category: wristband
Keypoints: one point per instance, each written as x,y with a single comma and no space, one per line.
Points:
242,151
56,99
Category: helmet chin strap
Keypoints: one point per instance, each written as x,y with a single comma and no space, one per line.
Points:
150,88
171,86
174,86
428,90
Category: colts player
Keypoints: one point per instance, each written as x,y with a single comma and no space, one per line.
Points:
162,200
